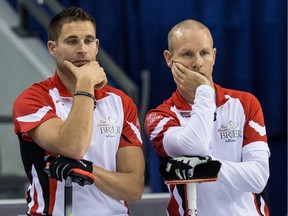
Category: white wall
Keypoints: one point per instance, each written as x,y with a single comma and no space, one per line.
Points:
23,62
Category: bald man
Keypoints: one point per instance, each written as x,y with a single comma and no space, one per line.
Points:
202,118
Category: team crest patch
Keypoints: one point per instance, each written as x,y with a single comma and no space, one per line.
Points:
230,132
186,114
109,127
152,118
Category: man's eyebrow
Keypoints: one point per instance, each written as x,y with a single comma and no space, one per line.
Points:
186,50
90,37
70,37
74,36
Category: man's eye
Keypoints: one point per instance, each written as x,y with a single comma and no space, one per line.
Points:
187,54
88,41
71,42
204,53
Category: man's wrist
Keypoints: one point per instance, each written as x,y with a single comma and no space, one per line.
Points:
86,94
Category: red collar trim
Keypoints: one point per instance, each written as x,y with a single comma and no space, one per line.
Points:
60,86
220,96
65,93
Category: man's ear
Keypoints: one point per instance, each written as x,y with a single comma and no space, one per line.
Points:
97,45
168,57
214,53
51,45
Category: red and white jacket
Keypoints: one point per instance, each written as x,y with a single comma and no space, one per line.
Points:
229,126
116,126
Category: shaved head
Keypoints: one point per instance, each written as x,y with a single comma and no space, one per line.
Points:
187,25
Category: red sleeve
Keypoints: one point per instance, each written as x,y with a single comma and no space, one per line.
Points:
131,128
30,109
157,122
254,129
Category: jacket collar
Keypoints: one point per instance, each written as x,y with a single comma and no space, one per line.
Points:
65,93
220,98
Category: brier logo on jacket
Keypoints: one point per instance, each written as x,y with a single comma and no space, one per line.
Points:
230,132
109,127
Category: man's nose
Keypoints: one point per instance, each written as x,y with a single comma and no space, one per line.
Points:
82,48
197,63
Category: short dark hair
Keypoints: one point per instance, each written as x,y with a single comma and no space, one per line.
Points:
72,14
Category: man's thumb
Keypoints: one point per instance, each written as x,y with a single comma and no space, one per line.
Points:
69,65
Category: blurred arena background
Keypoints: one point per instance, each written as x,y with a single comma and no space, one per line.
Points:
251,41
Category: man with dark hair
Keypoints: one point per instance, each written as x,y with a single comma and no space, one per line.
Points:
74,125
